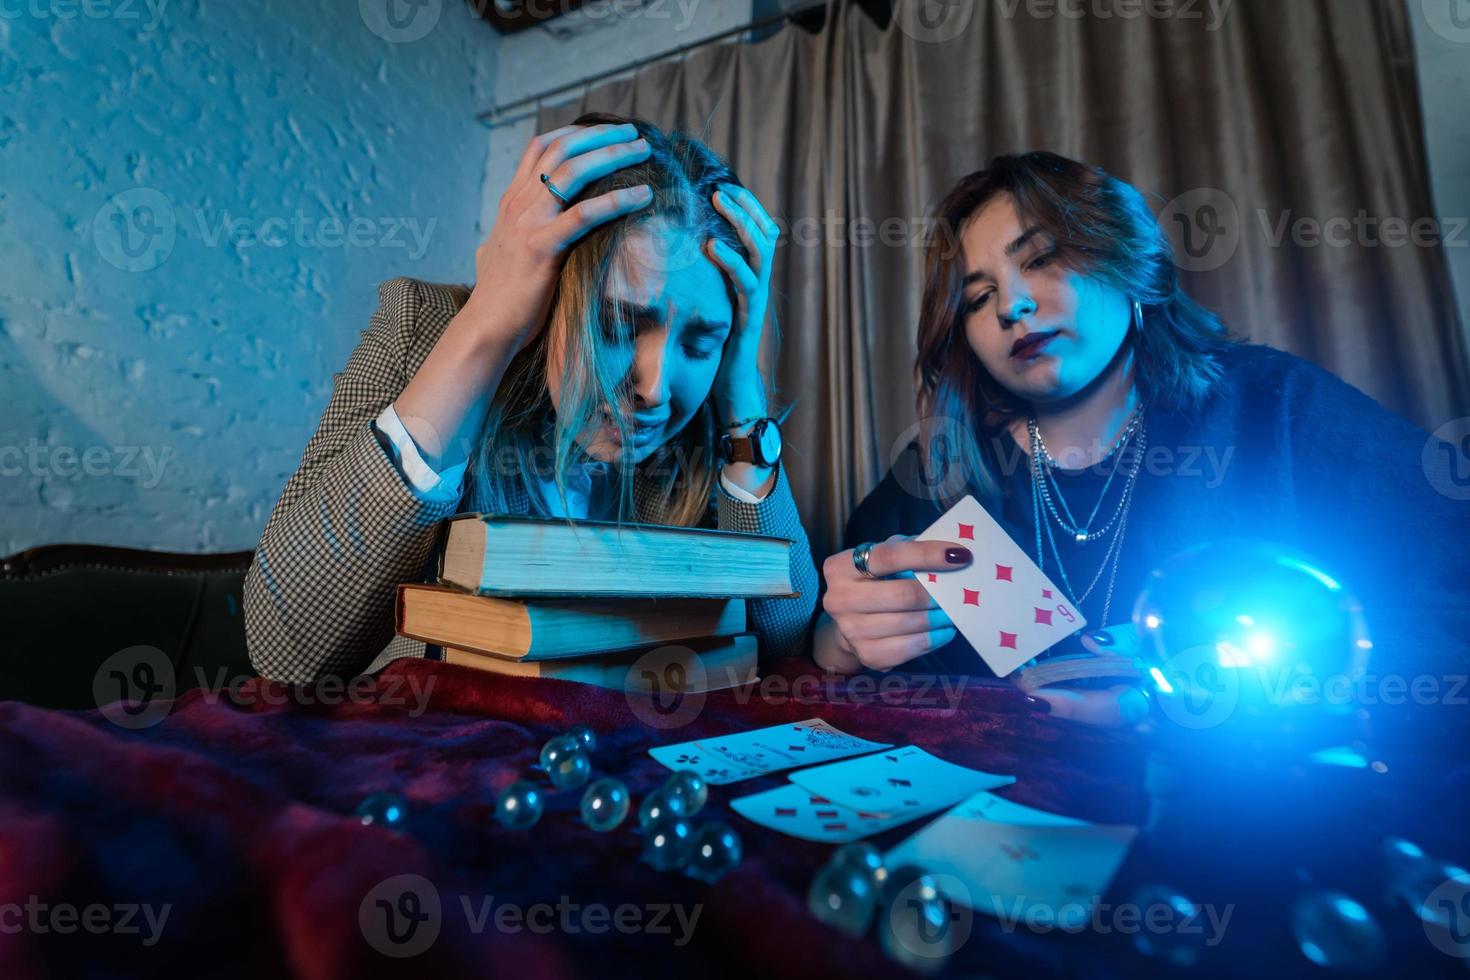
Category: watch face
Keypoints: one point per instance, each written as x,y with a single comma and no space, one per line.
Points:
770,442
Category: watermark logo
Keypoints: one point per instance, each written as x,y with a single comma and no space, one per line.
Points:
927,458
1198,692
131,11
933,21
1446,916
666,687
134,688
401,916
1450,19
1203,225
1446,459
400,21
929,919
135,230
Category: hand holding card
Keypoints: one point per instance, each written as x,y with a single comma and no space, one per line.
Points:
1002,603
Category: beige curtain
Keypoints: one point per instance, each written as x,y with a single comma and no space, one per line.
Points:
1252,134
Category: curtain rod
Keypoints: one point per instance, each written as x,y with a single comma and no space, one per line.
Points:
496,115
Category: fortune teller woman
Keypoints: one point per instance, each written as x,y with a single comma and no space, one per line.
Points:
594,370
1108,421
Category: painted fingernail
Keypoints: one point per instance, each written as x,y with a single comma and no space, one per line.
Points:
1039,706
1102,638
957,556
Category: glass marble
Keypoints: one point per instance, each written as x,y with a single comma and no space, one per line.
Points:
1177,936
863,856
667,842
570,771
519,805
605,804
658,804
688,785
915,921
1336,932
843,897
584,736
716,851
556,749
384,810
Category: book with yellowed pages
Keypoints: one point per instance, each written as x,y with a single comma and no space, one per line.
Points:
539,629
687,667
509,555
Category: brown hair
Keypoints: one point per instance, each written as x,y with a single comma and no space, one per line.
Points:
1102,228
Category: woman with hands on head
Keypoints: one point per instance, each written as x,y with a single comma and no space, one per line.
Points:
604,366
1056,353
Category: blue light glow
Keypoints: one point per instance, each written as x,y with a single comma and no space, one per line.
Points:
1287,561
1160,680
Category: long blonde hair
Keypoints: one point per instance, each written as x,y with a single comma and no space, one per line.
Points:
521,424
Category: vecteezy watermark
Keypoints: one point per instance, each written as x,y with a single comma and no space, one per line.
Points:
400,21
1361,230
915,690
1446,459
1200,689
143,465
135,230
150,12
1450,19
304,231
98,919
1204,227
135,688
933,21
402,917
565,16
1211,13
1204,924
1445,914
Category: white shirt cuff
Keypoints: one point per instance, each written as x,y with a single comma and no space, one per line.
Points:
425,481
739,493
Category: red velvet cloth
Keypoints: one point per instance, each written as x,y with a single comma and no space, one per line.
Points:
237,814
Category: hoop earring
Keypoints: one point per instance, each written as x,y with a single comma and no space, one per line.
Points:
1138,315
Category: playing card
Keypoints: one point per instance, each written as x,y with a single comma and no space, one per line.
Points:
904,782
1004,605
744,755
1017,863
792,810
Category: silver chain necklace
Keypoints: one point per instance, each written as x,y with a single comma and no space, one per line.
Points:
1115,548
1051,491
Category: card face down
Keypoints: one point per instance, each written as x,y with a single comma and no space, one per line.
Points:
1017,863
745,755
1004,605
905,782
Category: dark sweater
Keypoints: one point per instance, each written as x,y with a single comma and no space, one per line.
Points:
1282,451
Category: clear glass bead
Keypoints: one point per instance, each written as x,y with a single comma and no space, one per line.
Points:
1336,932
384,810
605,804
691,788
666,842
519,805
584,736
716,851
570,771
843,897
660,803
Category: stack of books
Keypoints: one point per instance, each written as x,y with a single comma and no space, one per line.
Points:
591,601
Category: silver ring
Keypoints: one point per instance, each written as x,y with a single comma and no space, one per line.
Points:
860,559
556,191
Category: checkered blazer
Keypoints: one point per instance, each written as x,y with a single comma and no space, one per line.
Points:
348,528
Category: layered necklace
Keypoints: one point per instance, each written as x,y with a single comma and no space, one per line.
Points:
1046,496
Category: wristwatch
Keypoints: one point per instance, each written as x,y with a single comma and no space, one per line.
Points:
761,447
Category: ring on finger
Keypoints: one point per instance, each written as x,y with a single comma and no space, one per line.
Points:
860,559
556,191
